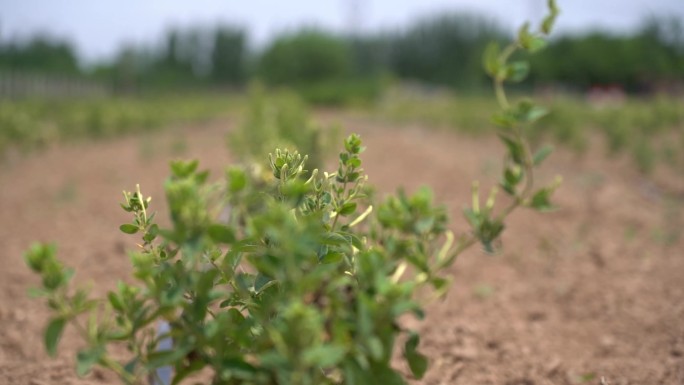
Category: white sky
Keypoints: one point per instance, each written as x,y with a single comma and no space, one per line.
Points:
99,27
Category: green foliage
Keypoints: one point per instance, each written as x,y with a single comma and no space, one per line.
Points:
652,55
319,67
285,277
444,49
41,53
279,119
32,124
572,122
304,58
228,57
300,284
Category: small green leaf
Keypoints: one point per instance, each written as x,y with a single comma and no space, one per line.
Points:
129,228
85,359
237,179
183,169
375,348
542,154
490,59
40,255
53,333
354,162
332,257
528,41
547,24
536,113
324,356
417,361
115,301
504,120
165,357
515,149
347,209
517,71
541,200
262,282
527,111
221,233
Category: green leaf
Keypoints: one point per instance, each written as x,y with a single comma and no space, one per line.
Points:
39,256
324,356
375,348
535,113
237,179
490,59
541,200
115,301
354,162
542,154
504,120
528,41
527,111
417,362
129,228
183,169
332,257
547,24
53,333
515,149
221,233
85,359
512,177
347,209
166,357
517,71
535,44
262,282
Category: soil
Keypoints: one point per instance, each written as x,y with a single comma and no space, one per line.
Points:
590,293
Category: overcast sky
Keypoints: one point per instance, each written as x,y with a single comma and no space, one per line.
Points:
99,27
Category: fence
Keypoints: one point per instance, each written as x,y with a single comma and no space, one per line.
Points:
15,85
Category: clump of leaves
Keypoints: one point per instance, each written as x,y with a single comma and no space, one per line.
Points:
291,277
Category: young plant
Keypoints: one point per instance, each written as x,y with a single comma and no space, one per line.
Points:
279,120
290,277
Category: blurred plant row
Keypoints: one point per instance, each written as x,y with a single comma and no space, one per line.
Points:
650,130
32,124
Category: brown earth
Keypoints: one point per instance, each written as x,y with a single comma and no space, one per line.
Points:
591,293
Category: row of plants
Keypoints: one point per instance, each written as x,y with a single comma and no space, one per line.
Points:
27,125
294,276
279,119
650,130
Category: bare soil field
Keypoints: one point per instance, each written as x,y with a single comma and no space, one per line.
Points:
591,293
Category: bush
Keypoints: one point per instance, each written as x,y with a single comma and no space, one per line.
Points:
278,120
286,278
304,58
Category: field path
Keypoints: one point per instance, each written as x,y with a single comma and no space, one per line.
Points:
594,289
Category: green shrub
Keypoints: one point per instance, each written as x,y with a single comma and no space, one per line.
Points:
304,58
280,120
288,278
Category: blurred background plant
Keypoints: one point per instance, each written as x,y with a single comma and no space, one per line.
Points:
279,120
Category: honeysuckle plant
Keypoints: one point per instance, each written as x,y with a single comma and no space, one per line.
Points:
296,277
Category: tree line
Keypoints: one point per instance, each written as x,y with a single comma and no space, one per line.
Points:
442,50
